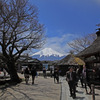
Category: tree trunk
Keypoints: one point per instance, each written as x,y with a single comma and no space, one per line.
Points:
13,72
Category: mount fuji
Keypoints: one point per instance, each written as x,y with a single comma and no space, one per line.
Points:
48,54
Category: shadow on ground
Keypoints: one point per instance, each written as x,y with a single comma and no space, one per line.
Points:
6,88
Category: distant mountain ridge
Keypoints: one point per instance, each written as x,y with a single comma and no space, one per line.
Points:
48,54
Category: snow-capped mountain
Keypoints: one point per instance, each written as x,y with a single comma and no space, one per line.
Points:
48,54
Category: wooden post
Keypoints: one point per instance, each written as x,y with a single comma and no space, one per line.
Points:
93,92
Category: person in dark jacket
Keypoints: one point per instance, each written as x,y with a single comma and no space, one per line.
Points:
86,79
26,75
44,72
56,75
71,79
33,73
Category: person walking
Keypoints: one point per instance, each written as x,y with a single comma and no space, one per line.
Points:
33,73
86,79
51,72
44,72
26,75
56,75
71,79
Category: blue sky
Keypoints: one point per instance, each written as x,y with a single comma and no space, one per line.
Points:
65,20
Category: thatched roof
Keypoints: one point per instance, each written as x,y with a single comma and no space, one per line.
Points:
71,60
92,49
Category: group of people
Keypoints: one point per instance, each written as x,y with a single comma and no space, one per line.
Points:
73,76
55,74
27,73
33,73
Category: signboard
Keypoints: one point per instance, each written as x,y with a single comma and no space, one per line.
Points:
46,66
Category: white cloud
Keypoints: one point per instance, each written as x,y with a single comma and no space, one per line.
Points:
60,43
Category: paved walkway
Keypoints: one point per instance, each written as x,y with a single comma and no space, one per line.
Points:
80,95
43,89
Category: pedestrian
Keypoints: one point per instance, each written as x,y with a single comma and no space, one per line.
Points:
51,72
33,73
71,79
79,76
26,75
44,72
56,75
86,79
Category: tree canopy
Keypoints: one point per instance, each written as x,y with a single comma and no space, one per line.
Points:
20,29
81,43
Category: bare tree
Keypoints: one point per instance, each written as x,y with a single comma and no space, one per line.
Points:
20,30
80,44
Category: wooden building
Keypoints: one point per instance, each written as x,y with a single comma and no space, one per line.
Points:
91,56
69,61
28,61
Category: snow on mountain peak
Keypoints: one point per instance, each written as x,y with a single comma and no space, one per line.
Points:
48,52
